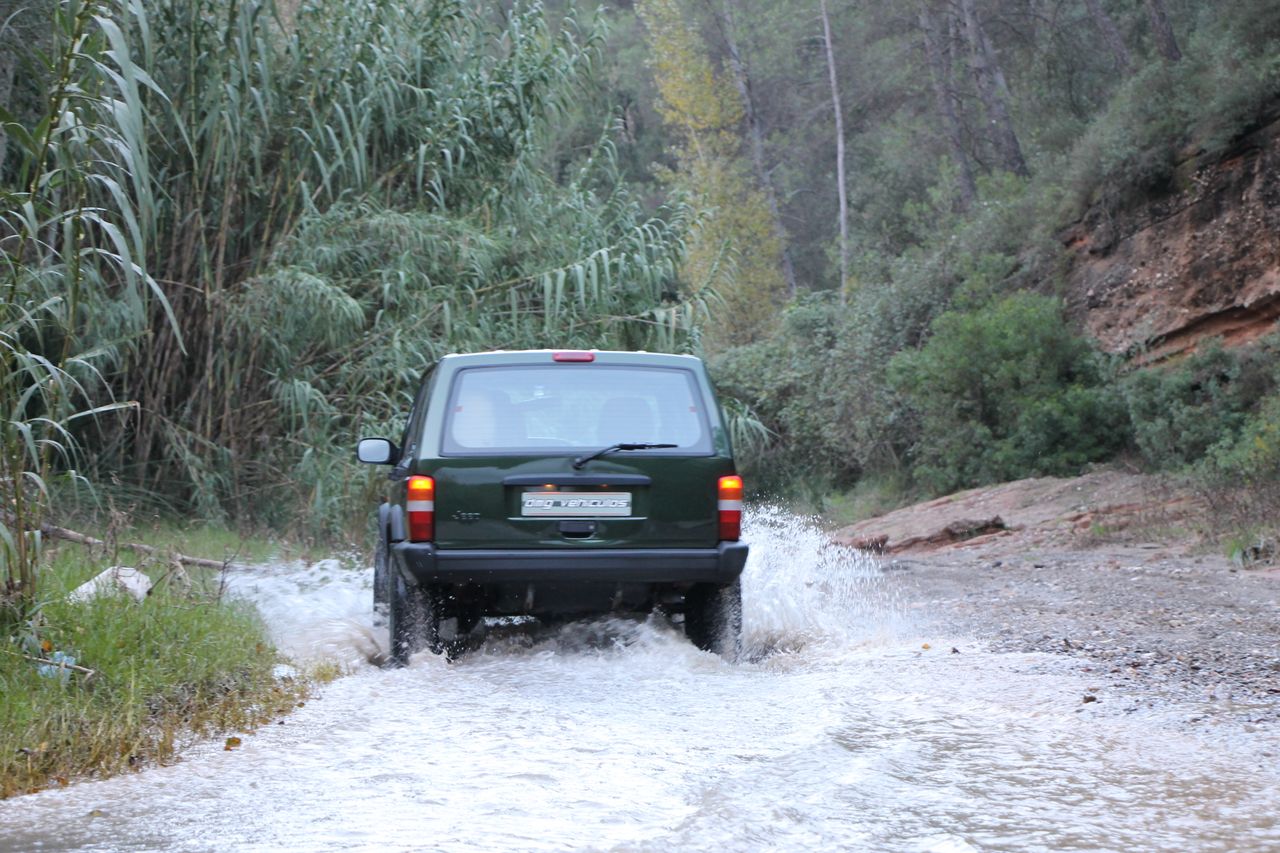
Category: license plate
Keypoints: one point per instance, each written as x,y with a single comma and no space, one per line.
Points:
561,504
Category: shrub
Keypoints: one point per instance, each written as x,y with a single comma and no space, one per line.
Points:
778,379
1252,456
1006,392
1240,476
1179,413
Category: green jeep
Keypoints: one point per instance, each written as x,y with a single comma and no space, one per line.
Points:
559,484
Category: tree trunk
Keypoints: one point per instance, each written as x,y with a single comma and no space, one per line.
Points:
1162,30
939,59
1111,35
755,135
994,91
841,189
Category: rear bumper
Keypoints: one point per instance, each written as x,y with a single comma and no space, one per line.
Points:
430,565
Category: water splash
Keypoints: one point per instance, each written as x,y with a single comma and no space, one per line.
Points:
616,734
801,589
320,611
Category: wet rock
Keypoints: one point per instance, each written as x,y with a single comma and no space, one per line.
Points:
869,543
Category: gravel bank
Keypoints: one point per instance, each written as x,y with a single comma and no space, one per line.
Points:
1153,625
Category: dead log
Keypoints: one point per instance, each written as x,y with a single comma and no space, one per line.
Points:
55,532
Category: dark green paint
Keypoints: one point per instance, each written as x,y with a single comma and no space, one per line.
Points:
474,509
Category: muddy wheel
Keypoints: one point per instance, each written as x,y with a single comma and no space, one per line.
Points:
413,618
713,618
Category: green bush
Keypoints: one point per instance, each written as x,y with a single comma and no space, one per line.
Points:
777,379
1253,454
1179,413
1006,392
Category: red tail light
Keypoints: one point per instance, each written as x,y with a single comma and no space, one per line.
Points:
731,508
573,355
421,507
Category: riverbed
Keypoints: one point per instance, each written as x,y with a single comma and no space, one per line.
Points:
860,718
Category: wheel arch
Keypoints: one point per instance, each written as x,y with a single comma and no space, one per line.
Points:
391,523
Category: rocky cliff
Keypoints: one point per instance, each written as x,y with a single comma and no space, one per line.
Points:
1200,260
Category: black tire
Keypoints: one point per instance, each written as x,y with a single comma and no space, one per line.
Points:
381,559
413,618
713,618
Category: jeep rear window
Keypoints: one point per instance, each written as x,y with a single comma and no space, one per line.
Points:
515,409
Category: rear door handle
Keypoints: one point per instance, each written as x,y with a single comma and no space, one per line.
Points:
577,529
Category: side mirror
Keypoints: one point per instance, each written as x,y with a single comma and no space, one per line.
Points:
376,451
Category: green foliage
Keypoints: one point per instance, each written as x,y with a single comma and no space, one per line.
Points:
173,663
1005,393
73,286
1181,413
1092,132
263,223
1223,86
777,377
732,248
1223,415
328,200
871,496
1251,456
1240,474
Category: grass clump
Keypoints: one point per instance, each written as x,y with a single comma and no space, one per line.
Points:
181,663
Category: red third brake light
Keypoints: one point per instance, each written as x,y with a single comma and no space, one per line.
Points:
421,507
573,355
730,508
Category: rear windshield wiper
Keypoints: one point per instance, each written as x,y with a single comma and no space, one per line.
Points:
583,460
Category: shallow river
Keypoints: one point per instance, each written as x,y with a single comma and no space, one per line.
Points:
852,728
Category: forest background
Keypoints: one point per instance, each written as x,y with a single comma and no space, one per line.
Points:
235,233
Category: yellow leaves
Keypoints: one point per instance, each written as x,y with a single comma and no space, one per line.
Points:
693,96
232,743
733,250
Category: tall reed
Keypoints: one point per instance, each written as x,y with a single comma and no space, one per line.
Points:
73,243
326,202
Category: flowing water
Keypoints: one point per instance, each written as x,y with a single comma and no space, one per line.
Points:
842,732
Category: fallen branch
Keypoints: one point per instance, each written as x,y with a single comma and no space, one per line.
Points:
74,667
72,536
57,664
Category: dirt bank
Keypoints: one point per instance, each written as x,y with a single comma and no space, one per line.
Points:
1200,259
1105,568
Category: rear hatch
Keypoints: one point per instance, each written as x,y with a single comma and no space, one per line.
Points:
513,468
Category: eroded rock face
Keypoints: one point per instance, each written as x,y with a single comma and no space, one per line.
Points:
1202,261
